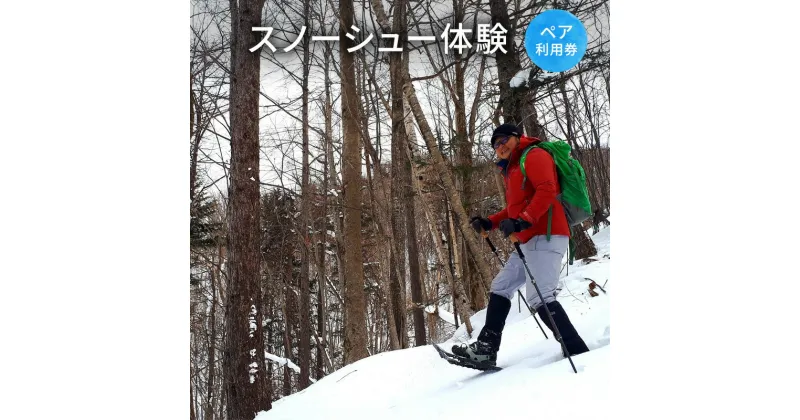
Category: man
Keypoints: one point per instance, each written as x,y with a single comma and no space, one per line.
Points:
526,217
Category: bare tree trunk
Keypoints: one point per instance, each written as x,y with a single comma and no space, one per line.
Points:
459,296
584,246
507,66
568,117
387,223
473,113
304,350
401,169
195,112
477,289
355,328
270,334
397,262
329,160
397,271
192,415
321,308
223,406
391,293
390,296
461,146
462,154
416,277
397,277
447,179
501,187
268,303
452,240
208,410
288,317
244,371
217,288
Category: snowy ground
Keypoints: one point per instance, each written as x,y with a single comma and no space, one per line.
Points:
536,380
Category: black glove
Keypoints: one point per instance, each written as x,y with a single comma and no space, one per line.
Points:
480,223
509,226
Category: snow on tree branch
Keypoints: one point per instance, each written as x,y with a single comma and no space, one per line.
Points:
284,362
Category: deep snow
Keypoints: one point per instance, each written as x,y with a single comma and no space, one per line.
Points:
536,380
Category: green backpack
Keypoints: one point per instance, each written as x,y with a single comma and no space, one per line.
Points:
574,195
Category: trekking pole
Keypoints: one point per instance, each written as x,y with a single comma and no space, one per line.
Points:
491,245
514,239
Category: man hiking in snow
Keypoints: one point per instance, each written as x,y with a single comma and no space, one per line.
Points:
526,217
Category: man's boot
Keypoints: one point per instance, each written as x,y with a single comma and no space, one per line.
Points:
484,350
572,340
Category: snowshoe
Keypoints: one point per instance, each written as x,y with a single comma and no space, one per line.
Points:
483,362
478,352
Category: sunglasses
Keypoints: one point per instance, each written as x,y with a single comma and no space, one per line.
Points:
501,141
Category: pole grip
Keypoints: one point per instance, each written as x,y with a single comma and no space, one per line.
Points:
485,235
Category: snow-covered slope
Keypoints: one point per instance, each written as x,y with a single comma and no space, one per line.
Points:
536,380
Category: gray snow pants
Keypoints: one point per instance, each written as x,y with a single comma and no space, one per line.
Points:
544,260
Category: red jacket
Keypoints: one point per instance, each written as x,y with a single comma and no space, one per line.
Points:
531,201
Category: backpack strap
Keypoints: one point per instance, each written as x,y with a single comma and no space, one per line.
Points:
522,164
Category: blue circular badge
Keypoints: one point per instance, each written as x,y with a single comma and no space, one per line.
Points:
555,40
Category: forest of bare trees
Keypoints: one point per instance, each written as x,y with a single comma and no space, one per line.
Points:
331,191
